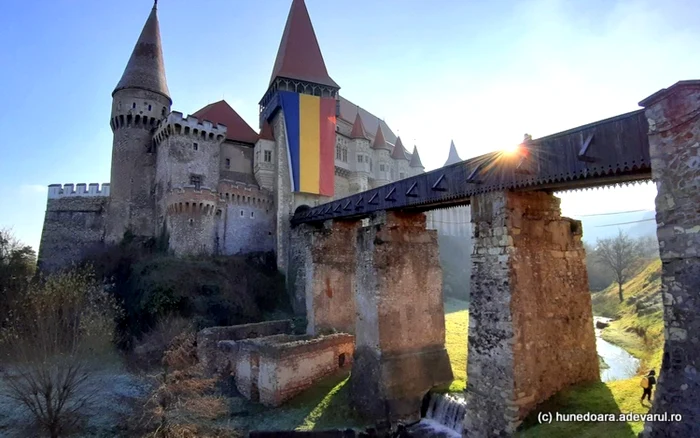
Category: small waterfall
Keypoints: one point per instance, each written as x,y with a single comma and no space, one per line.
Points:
444,417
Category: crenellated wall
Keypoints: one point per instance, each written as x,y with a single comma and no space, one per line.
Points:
190,221
246,222
74,224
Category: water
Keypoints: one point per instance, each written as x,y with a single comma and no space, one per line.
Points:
622,364
444,417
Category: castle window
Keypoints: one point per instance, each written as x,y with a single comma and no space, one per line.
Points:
359,158
268,156
149,107
195,146
133,105
196,181
338,152
252,214
162,113
345,155
402,175
228,163
241,213
381,167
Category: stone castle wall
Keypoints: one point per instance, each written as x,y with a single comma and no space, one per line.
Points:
247,219
74,224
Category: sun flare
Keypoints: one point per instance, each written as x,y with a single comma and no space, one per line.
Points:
511,150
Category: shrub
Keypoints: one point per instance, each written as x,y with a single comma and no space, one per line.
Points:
223,290
57,329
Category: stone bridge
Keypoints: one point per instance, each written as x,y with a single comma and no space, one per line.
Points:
367,265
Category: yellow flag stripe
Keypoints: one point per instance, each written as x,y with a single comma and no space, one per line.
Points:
309,143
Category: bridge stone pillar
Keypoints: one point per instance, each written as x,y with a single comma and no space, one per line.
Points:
530,319
400,331
674,142
323,275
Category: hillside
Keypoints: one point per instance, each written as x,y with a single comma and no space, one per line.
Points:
638,325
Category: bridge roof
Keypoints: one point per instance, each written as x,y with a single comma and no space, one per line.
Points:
606,152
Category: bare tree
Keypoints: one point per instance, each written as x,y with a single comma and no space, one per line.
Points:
619,254
56,329
17,263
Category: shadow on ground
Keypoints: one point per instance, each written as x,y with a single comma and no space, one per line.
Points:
594,398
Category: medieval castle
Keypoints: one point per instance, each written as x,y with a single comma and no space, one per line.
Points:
210,184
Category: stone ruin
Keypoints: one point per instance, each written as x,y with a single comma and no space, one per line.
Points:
270,364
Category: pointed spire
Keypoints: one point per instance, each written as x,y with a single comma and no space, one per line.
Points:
415,159
399,153
145,69
299,56
358,128
379,141
453,157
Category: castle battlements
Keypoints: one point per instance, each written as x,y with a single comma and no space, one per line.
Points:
177,124
93,189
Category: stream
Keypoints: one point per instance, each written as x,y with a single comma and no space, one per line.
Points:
622,364
445,413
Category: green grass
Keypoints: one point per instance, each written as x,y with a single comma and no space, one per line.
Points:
642,335
456,326
605,398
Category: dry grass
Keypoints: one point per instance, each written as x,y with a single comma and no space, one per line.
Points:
184,401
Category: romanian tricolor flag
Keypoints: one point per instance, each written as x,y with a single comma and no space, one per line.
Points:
310,124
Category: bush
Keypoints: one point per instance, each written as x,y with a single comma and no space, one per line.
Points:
208,291
56,330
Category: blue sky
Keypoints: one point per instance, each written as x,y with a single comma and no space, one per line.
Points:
480,72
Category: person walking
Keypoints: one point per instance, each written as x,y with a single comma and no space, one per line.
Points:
648,383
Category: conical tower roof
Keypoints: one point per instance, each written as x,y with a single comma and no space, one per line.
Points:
379,141
146,69
453,157
399,153
415,159
299,55
358,128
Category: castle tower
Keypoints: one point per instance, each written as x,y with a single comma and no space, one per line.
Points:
359,179
400,161
382,159
139,102
301,104
416,165
187,176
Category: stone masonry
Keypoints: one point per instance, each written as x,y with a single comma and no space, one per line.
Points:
273,369
530,318
400,330
325,275
74,224
674,142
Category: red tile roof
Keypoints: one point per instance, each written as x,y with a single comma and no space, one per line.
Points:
379,142
299,56
236,128
399,152
415,159
358,129
146,69
266,132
